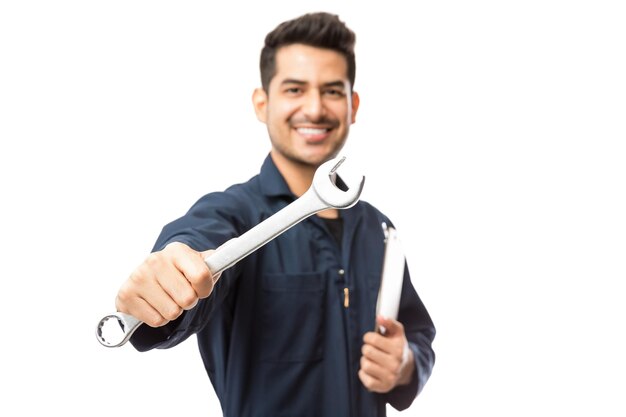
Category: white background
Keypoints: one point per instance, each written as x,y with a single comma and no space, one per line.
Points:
491,132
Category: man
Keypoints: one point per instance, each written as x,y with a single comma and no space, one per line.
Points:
289,329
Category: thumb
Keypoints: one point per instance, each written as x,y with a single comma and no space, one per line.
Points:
391,327
205,255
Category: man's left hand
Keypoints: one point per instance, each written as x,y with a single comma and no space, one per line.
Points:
387,360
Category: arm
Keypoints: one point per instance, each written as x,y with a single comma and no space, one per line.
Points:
173,291
399,363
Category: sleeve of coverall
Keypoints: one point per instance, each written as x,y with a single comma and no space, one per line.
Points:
420,333
213,220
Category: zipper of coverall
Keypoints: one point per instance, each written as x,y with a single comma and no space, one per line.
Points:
345,307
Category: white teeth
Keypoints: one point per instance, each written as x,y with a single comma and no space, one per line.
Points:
311,131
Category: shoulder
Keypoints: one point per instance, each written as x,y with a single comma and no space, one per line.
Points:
237,203
214,218
371,213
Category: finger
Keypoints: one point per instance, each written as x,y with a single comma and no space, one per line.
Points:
162,302
383,359
191,264
129,299
162,285
176,285
369,382
141,296
376,370
152,275
142,310
384,343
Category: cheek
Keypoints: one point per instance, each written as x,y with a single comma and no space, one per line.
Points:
283,110
339,111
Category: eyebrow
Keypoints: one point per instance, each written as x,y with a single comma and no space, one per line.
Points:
300,82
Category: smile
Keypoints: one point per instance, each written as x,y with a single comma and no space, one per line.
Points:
308,131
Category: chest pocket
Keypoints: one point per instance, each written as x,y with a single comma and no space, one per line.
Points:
293,310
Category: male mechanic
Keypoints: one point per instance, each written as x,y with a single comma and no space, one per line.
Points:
288,331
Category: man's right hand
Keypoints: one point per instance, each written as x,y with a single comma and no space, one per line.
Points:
165,284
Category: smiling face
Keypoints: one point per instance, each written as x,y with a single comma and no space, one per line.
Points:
308,107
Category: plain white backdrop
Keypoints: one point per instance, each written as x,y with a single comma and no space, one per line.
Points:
491,132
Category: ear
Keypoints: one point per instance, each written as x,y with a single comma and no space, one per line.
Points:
355,105
259,101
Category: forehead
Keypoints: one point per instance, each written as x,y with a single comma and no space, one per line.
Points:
310,64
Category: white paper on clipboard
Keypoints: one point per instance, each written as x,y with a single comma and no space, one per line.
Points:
392,276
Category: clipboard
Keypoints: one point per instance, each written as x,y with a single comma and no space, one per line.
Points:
388,302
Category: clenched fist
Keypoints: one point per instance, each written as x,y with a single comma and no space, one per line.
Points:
387,360
165,284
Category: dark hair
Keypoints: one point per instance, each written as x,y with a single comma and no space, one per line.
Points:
321,30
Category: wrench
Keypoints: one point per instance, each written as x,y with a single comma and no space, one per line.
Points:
323,194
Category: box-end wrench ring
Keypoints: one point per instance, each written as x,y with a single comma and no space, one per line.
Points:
323,194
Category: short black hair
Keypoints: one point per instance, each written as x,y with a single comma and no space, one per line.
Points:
321,30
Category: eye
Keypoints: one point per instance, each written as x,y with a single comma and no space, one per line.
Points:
334,92
293,90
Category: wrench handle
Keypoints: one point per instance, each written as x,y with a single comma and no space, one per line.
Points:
237,248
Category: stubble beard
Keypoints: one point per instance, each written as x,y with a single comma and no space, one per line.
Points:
287,152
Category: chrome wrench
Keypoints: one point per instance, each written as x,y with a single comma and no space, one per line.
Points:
323,194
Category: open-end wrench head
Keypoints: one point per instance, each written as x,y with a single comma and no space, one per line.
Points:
324,184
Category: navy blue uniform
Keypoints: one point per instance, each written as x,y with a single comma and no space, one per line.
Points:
275,335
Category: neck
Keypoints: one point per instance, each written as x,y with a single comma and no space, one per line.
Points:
299,178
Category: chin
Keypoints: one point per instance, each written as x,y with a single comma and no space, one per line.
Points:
309,155
320,158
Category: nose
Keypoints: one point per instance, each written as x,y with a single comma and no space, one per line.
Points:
313,105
